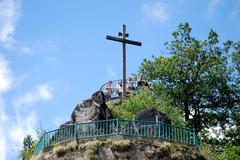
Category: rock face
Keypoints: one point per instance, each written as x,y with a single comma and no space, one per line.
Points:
92,109
122,149
152,114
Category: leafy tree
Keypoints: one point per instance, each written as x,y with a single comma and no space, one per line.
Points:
232,135
28,148
196,76
28,142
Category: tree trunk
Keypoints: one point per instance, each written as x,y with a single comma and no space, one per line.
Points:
186,110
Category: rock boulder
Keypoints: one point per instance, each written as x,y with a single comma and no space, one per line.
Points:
152,114
92,109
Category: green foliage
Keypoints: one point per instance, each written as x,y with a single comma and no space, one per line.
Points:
145,99
28,148
230,153
197,77
227,153
28,142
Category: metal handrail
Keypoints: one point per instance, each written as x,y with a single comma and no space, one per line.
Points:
118,127
116,88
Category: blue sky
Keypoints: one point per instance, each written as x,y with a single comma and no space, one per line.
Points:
53,54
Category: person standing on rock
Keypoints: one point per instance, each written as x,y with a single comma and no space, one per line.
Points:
108,90
119,89
130,86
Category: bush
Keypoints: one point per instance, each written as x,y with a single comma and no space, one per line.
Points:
59,151
145,98
71,146
230,153
92,146
121,145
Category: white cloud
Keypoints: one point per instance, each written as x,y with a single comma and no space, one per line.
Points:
9,14
3,115
111,72
215,132
26,50
13,129
2,144
5,75
3,119
19,123
23,126
42,92
156,11
213,5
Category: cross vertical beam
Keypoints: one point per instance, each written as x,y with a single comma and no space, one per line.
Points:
124,61
124,41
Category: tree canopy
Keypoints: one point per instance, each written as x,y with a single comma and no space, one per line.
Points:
200,76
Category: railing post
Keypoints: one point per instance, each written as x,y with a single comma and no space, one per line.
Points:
159,129
75,131
117,126
44,139
196,143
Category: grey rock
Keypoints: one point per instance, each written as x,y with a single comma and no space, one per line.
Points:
92,109
106,154
152,114
140,156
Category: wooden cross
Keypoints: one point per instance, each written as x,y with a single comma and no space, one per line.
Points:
123,40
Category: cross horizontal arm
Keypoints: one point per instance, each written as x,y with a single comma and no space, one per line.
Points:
124,41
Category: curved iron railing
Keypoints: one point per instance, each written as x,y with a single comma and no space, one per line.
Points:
113,89
116,127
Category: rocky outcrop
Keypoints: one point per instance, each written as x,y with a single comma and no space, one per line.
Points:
152,114
92,109
122,149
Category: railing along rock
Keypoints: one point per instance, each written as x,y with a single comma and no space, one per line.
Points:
117,127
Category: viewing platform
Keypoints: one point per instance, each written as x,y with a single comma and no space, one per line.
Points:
113,89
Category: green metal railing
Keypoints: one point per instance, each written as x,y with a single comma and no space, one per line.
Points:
116,127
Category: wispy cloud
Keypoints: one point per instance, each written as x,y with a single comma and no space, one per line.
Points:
111,72
14,126
157,11
19,129
236,10
2,144
213,5
13,129
10,12
5,75
42,92
3,119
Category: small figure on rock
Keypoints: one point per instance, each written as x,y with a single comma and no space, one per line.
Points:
108,90
119,89
130,86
